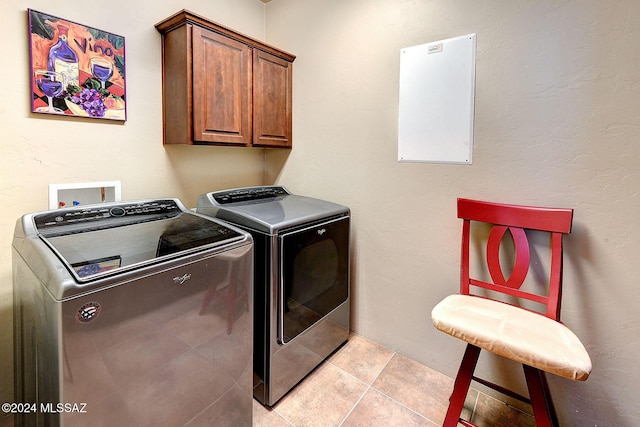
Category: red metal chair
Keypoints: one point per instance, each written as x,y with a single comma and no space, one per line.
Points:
485,315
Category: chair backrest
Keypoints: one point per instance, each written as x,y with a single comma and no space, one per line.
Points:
515,219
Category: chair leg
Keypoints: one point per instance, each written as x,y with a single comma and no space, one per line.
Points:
540,396
461,385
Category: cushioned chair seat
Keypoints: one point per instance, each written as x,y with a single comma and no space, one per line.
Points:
512,332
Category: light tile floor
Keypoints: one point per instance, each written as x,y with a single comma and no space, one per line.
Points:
365,384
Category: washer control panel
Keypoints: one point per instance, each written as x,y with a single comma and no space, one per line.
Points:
96,213
248,194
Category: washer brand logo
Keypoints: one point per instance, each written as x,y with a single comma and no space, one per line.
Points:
322,231
88,312
181,279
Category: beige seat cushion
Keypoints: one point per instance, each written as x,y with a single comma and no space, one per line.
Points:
515,333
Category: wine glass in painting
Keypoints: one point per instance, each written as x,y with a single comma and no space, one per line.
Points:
101,69
51,84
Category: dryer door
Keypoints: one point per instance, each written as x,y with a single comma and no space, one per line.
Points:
314,277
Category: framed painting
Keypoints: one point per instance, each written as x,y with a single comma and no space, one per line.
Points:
76,70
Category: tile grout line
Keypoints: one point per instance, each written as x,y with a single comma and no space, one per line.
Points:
274,409
369,386
475,404
394,353
405,406
502,402
354,405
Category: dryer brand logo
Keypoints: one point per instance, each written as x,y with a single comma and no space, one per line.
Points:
179,280
88,312
322,231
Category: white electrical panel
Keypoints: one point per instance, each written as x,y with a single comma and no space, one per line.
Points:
436,105
83,193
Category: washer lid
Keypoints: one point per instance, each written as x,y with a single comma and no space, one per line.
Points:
101,240
266,209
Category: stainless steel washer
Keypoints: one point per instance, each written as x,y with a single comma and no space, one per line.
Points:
301,280
134,313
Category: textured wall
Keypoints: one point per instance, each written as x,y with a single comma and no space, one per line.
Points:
557,123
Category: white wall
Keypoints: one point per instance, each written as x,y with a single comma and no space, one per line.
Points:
37,149
557,123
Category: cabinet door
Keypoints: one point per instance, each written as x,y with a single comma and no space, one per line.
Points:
221,89
272,94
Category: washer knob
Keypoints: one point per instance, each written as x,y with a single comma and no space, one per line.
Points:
117,211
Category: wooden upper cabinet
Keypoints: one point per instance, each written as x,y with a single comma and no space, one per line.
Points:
271,100
223,88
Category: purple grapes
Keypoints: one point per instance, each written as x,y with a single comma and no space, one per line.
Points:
91,101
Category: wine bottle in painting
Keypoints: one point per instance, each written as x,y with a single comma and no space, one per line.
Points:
63,60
